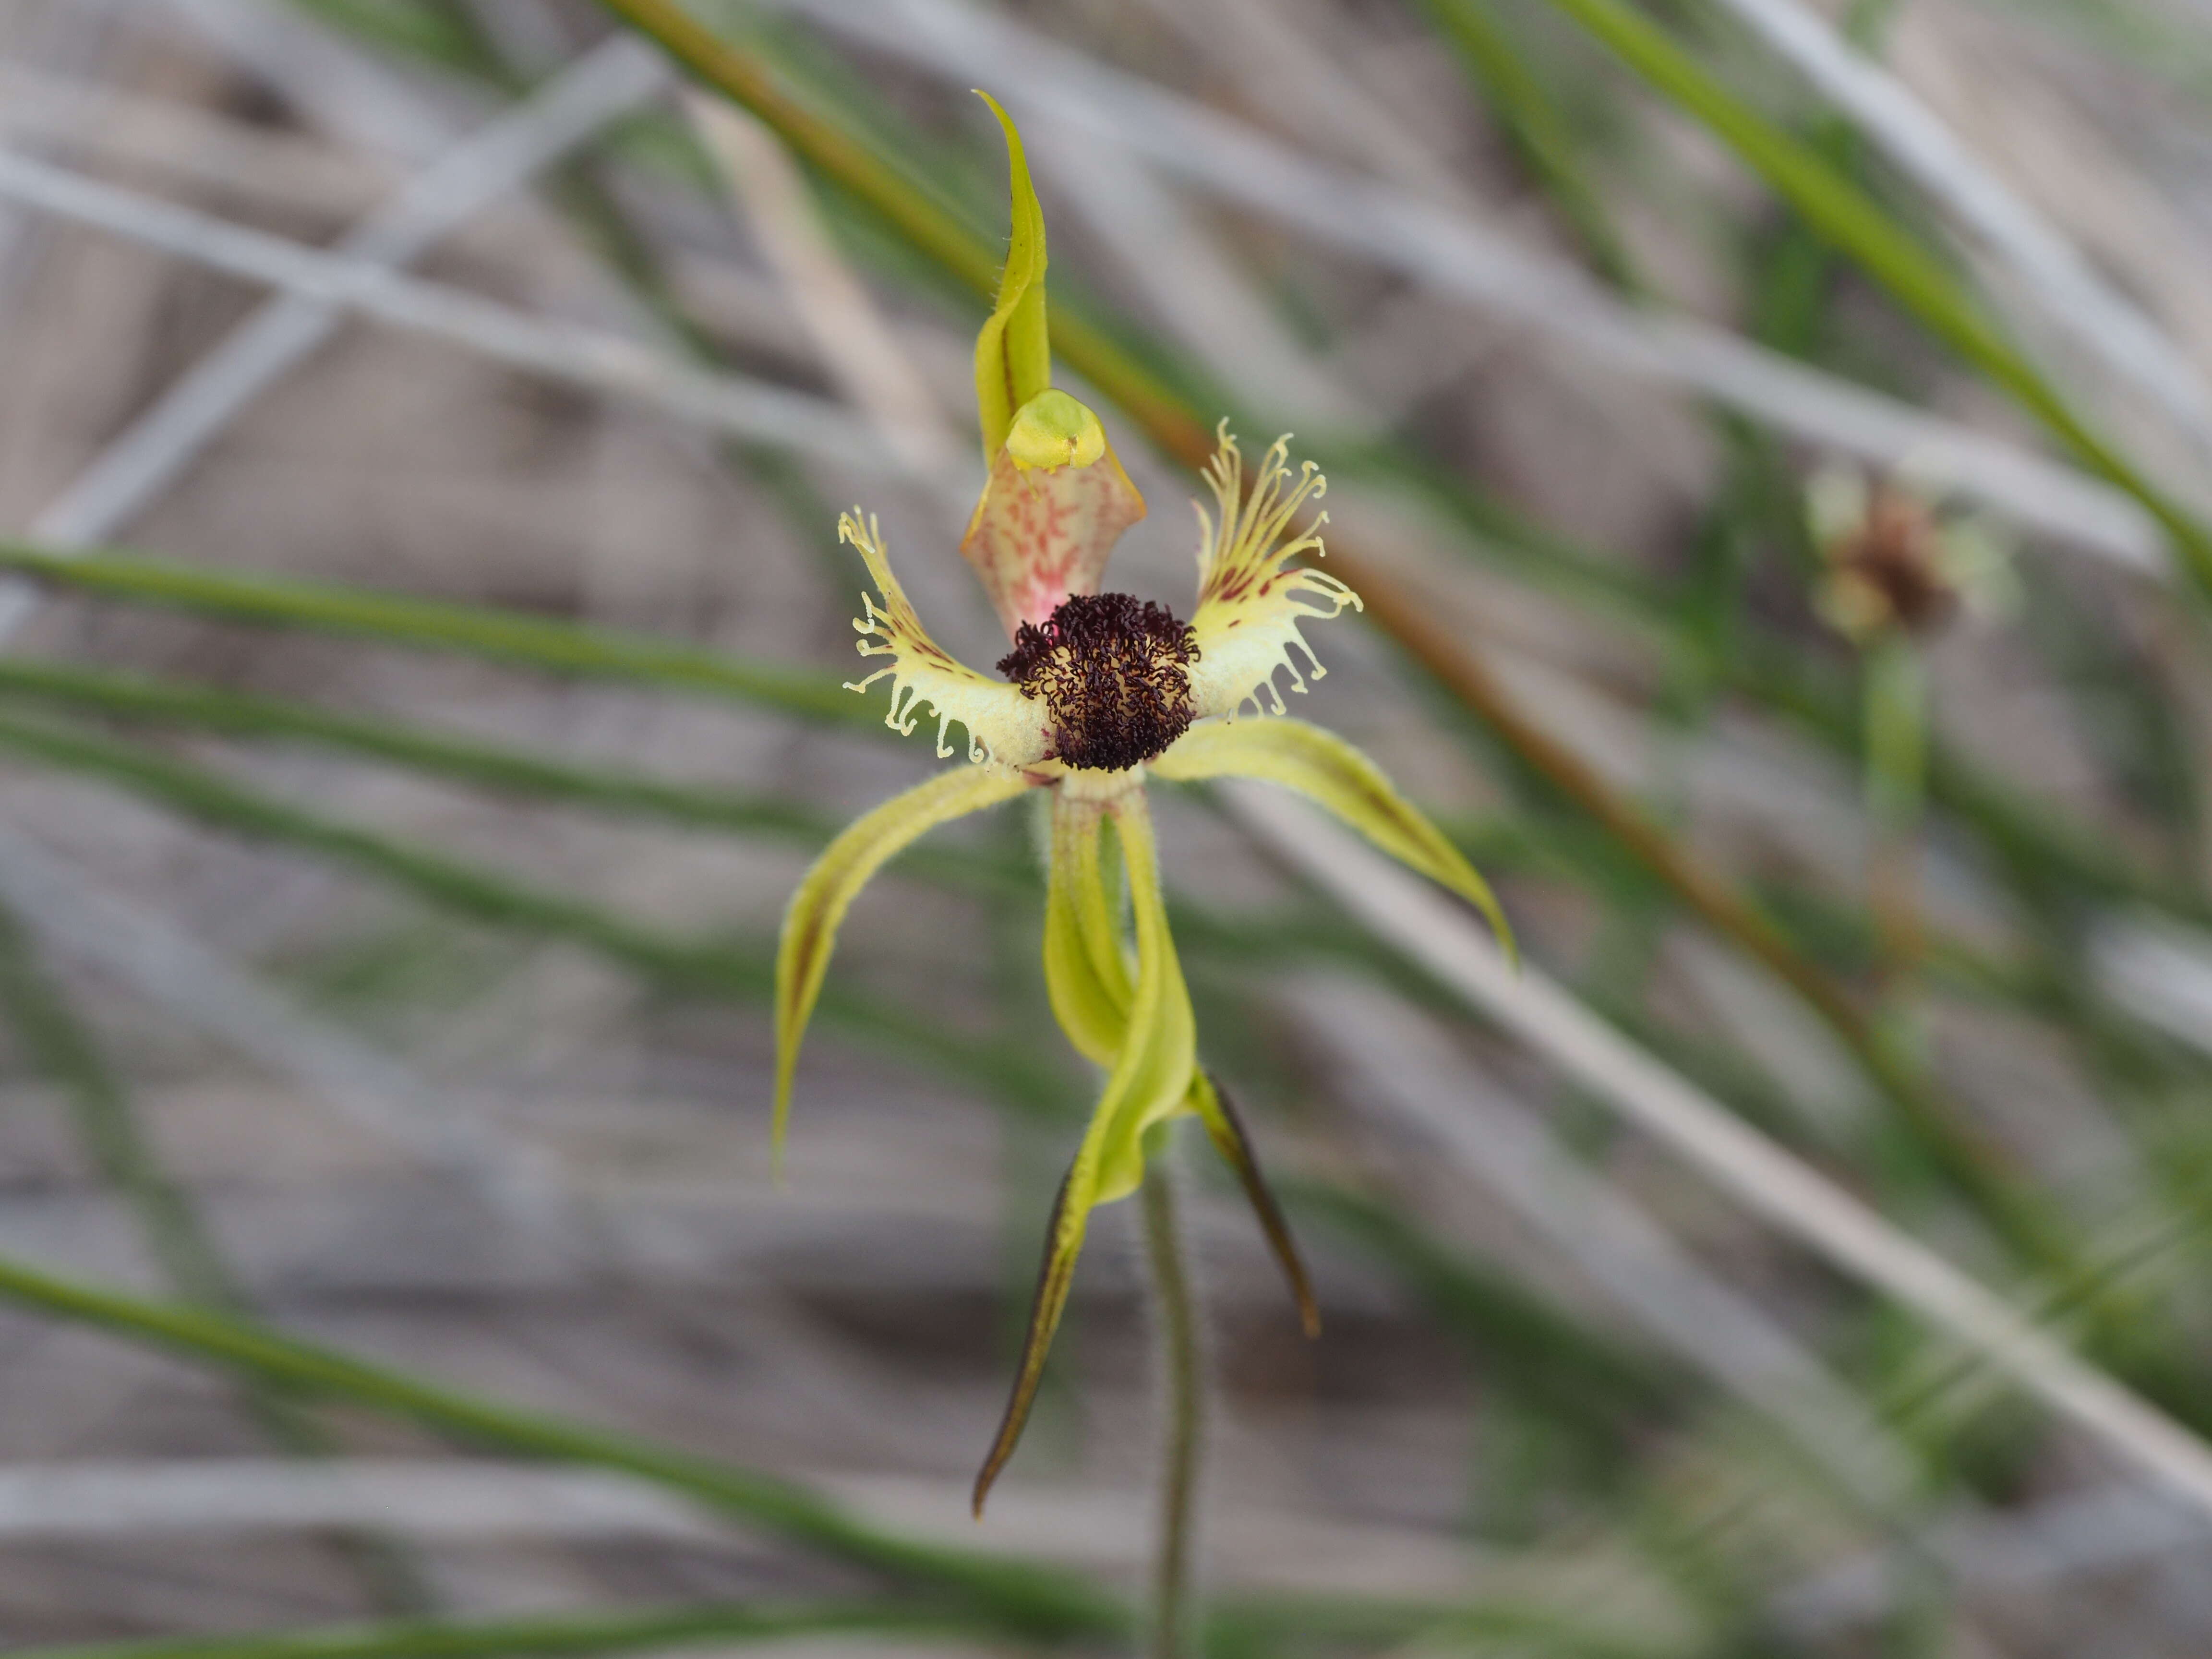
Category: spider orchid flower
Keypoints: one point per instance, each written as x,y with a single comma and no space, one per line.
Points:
1100,692
1897,563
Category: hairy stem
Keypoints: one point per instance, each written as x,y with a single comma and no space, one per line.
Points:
1175,1311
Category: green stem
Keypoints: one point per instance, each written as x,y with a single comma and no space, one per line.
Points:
1175,1311
1896,734
1896,785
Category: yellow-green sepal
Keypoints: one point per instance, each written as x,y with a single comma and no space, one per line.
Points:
1151,1081
1013,353
1333,774
818,907
1084,972
1226,1131
1089,983
1063,1243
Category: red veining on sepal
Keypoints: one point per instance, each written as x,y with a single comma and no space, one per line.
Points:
1040,536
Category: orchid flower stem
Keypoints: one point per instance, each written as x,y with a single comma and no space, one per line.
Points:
1896,766
1176,1311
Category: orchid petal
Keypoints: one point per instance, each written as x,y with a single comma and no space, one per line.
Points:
816,909
1042,532
1003,725
1251,599
1332,773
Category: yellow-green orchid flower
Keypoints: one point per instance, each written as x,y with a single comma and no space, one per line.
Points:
1100,692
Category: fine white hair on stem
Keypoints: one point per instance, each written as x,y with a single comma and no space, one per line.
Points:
1401,1063
1455,256
1766,1179
1916,139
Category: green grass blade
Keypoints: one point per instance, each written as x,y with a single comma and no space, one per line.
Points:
499,768
740,970
117,1145
206,796
490,766
628,1632
62,1047
1017,1596
478,630
1851,220
1534,125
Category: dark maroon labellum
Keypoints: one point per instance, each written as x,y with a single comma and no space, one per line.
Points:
1896,553
1113,674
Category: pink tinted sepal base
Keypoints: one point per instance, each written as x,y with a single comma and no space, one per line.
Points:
1040,534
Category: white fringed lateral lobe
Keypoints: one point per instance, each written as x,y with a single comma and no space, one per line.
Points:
1003,725
1251,598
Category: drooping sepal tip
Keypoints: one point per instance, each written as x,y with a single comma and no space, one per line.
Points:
819,903
1063,1243
1013,351
1150,1081
1226,1131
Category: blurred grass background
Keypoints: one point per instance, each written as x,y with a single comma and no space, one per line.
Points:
417,702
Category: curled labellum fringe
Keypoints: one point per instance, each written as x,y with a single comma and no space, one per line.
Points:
1113,675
